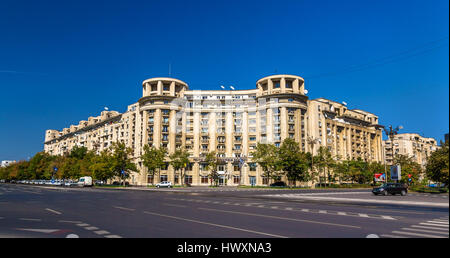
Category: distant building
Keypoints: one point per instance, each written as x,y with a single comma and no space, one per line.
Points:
412,145
6,163
229,122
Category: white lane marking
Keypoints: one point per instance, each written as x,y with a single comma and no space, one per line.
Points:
416,234
113,236
388,217
83,225
305,210
56,212
72,236
363,215
212,224
342,213
427,227
439,222
288,208
123,208
101,232
322,211
28,219
320,198
175,205
392,236
91,228
425,231
372,236
39,230
432,224
280,218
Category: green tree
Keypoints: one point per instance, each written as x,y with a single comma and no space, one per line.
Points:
437,165
39,165
101,166
324,162
121,161
408,167
293,162
266,156
153,159
179,160
211,164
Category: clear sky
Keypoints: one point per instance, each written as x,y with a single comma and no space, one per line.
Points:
63,61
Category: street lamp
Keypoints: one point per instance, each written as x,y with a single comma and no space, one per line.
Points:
391,133
312,141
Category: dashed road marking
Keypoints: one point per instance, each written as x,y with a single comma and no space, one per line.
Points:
101,232
428,229
56,212
213,224
112,236
123,208
91,228
259,205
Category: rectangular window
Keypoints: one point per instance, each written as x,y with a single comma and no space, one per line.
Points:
188,180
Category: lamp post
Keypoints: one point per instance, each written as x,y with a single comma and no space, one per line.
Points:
391,133
312,141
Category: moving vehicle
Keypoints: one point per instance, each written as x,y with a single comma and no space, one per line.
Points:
391,188
85,181
164,184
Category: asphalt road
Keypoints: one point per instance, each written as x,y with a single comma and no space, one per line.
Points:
33,211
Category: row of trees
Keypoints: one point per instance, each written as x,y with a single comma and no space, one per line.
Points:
116,162
287,160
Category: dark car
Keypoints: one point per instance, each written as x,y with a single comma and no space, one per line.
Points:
391,188
279,184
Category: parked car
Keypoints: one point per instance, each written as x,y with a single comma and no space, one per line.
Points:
85,181
278,184
164,184
391,188
99,182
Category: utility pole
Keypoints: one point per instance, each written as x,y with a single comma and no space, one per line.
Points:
391,133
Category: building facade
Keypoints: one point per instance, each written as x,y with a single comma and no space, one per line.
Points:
6,163
411,145
230,123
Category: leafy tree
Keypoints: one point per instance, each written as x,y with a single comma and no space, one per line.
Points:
266,156
211,164
408,166
324,162
38,165
179,160
437,165
78,152
121,161
293,162
101,166
153,159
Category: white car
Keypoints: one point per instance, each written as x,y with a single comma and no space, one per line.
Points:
164,184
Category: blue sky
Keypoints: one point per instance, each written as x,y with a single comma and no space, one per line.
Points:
63,61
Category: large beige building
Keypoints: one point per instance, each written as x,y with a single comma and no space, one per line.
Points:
411,145
231,123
